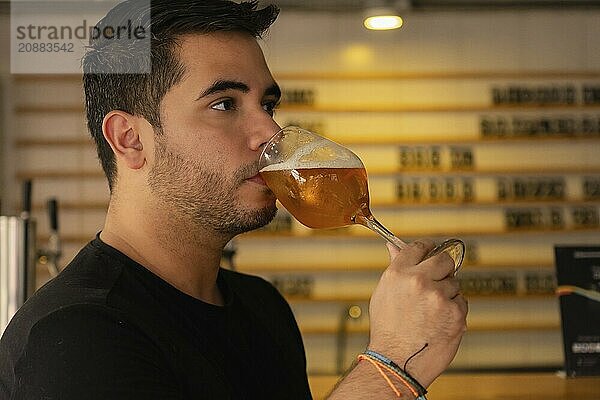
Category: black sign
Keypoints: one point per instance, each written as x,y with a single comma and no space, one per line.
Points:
591,188
585,217
461,158
578,279
298,96
507,283
488,284
471,253
420,157
591,95
540,283
515,189
435,190
535,95
536,126
534,218
301,286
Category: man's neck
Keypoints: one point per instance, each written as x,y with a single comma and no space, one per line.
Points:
186,257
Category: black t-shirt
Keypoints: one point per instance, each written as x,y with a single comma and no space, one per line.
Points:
108,328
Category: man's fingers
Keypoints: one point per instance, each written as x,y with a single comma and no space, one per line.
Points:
463,304
412,254
439,266
450,288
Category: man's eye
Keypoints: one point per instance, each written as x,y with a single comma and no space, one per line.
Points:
270,107
223,105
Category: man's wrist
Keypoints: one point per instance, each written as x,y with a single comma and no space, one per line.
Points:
362,381
380,361
408,362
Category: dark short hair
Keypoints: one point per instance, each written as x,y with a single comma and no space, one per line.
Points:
141,93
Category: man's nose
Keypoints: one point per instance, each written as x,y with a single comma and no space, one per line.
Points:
262,131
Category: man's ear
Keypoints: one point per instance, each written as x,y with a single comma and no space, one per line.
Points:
121,132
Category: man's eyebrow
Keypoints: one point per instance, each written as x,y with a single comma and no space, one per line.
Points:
223,85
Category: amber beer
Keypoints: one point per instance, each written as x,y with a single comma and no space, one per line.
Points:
320,197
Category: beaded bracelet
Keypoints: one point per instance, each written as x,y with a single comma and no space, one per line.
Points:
415,387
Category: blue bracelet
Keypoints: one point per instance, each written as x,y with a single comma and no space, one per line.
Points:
412,381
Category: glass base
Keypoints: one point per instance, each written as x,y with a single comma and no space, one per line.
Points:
455,249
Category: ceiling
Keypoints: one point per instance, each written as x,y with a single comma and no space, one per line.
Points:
432,5
415,5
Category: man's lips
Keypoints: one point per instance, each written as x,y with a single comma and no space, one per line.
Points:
257,179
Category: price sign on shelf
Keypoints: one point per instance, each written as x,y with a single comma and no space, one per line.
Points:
585,217
546,188
435,190
520,126
591,188
420,157
534,218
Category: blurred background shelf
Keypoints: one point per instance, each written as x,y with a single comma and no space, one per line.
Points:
498,328
370,140
342,108
424,108
493,386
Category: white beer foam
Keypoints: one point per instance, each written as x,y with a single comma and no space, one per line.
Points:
308,157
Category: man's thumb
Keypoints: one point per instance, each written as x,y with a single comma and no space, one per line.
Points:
392,250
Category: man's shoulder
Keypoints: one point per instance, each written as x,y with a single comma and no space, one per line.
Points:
84,284
87,279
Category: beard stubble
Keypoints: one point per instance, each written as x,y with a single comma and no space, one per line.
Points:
205,197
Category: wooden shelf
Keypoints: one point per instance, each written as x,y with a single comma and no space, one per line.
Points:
54,142
374,75
34,78
299,269
429,108
442,75
390,204
72,239
472,327
486,204
508,170
77,206
357,108
367,140
365,234
49,109
404,140
372,172
365,299
491,386
24,175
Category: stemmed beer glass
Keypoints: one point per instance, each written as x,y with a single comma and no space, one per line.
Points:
324,185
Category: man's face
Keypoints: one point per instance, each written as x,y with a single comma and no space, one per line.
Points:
214,123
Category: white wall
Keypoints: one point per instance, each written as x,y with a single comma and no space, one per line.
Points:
4,101
438,42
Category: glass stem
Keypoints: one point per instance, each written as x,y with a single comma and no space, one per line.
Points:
375,226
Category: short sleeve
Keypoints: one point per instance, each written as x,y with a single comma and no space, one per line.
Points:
88,352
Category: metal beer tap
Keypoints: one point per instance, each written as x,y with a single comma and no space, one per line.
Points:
50,255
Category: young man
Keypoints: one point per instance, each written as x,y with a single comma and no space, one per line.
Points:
144,310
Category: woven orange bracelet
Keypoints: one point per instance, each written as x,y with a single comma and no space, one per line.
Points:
381,372
378,364
414,386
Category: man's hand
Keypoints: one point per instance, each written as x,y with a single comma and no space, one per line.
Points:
416,303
